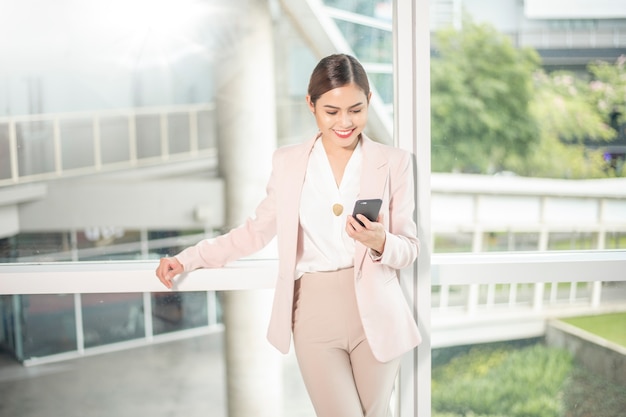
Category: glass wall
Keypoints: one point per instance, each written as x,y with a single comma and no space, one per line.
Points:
112,125
105,108
527,156
123,99
101,107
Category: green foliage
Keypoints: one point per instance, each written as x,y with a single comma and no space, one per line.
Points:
563,107
565,116
490,381
481,86
608,88
470,414
493,109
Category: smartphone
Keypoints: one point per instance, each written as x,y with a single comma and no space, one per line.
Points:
369,208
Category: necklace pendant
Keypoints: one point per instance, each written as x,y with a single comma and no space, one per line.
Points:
337,209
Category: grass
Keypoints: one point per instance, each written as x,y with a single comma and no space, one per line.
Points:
611,327
519,379
500,380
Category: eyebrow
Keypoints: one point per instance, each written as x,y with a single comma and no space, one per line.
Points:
337,108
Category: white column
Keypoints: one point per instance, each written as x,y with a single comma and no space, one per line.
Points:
247,137
412,132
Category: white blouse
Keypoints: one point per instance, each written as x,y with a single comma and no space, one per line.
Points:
325,244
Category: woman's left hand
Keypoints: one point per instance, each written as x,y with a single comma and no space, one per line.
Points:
371,234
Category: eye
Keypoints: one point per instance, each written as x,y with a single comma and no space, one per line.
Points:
356,111
332,113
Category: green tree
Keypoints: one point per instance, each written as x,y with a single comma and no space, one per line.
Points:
494,109
566,118
608,89
608,95
481,89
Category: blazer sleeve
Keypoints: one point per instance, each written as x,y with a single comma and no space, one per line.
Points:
402,244
250,237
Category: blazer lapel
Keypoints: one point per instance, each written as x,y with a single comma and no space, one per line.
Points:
374,175
289,203
374,170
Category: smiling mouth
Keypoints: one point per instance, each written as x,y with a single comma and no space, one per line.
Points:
344,133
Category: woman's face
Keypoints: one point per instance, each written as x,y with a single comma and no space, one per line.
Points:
341,115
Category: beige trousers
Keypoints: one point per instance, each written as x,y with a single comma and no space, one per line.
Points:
340,373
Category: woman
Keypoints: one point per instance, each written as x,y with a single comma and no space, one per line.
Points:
338,290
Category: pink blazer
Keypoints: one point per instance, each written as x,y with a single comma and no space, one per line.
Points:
387,173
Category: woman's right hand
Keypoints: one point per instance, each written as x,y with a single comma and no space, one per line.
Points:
166,271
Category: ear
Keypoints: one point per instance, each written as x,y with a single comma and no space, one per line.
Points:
369,96
310,104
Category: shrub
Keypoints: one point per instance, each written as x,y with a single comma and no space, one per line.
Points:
500,381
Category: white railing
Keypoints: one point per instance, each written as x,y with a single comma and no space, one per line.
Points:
471,320
50,146
501,213
506,296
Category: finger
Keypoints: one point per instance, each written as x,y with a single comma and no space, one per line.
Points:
167,283
365,222
174,270
355,223
165,280
163,272
163,268
351,226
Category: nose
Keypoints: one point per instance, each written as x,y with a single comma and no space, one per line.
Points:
345,119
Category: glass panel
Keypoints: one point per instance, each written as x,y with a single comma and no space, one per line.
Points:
29,247
384,86
616,240
111,318
369,44
520,378
510,241
35,147
380,9
572,241
458,295
527,151
114,139
5,154
452,242
170,242
118,87
148,129
8,342
77,147
105,243
48,325
178,133
514,105
178,311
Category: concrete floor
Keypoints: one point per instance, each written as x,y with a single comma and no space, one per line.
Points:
183,378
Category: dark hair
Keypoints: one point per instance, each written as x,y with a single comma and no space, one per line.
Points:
335,71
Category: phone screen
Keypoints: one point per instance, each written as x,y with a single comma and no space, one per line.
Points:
369,208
